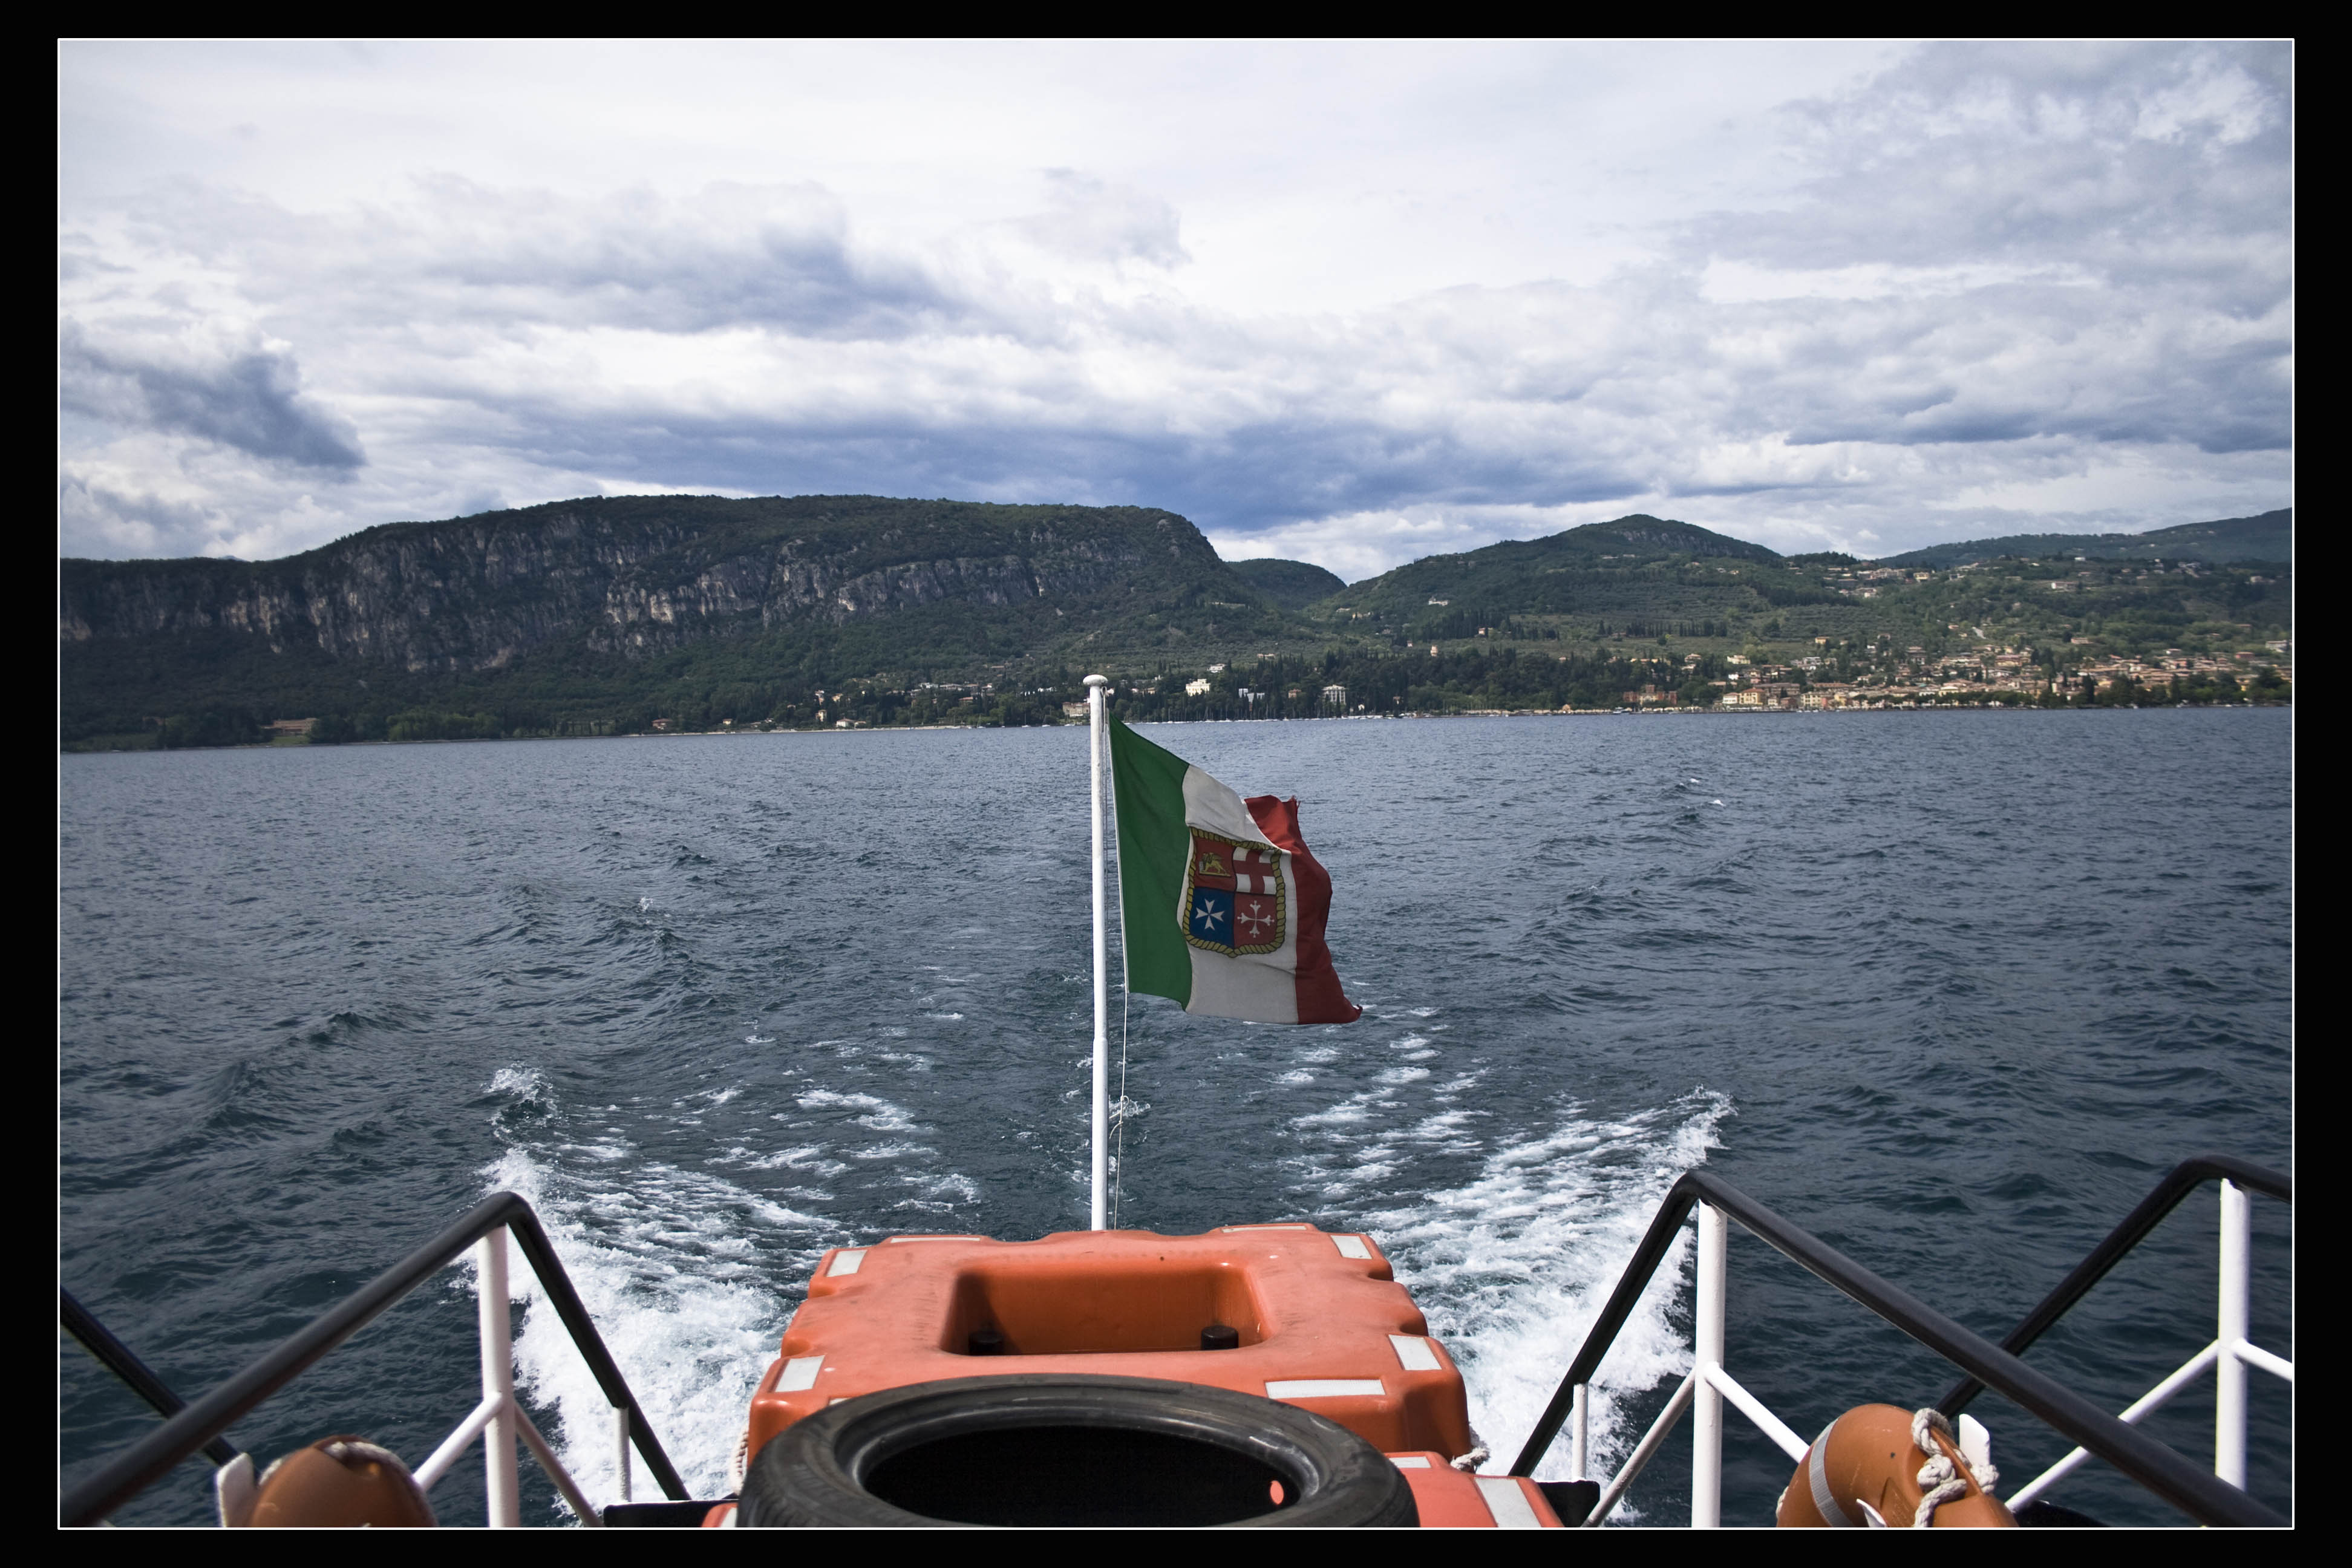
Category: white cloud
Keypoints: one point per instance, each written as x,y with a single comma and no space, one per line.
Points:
1349,303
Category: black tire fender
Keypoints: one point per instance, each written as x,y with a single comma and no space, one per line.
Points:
1041,1449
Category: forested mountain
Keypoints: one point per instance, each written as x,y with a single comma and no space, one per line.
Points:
1293,585
593,610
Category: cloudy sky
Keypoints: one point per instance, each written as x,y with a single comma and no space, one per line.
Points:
1347,303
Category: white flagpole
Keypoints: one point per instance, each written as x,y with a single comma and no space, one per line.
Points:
1095,714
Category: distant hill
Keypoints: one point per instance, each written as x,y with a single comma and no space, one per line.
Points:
2269,537
1293,585
1514,572
646,605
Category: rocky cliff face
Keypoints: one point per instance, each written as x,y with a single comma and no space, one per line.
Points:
638,574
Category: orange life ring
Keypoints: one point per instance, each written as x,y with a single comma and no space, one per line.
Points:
1863,1469
340,1481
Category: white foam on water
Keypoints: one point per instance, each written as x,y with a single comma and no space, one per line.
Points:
525,1091
809,1157
668,1271
1512,1267
891,1152
938,1192
880,1114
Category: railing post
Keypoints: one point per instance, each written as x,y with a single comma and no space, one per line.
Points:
1707,1405
1580,1432
621,1430
498,1382
2229,1372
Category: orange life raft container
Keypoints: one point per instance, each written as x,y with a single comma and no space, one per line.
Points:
1865,1469
1445,1497
1317,1319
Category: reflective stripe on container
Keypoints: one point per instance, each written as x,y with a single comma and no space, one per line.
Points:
1508,1503
1326,1388
1414,1354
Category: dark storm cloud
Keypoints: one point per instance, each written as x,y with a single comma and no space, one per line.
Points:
2012,363
1258,473
249,398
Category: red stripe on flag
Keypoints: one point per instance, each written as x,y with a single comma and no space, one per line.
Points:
1320,1000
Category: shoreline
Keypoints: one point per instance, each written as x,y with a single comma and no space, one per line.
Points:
1912,708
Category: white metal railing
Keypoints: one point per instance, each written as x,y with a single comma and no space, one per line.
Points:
499,1419
1703,1391
2229,1355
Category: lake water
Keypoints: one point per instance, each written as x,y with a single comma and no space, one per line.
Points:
1950,989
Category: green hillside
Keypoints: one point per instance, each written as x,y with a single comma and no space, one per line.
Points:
1639,575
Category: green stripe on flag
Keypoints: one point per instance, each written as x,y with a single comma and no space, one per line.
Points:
1154,846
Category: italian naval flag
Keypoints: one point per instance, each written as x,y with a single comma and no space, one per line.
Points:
1224,906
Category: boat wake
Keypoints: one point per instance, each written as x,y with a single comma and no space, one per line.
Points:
1512,1267
691,1277
687,1304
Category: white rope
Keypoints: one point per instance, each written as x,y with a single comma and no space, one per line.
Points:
1476,1456
1939,1478
1118,1148
741,1463
1125,996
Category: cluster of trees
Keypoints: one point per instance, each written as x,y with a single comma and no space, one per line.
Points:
2267,685
211,727
1414,682
413,724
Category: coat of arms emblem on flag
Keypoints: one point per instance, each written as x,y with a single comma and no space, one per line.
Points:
1234,896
